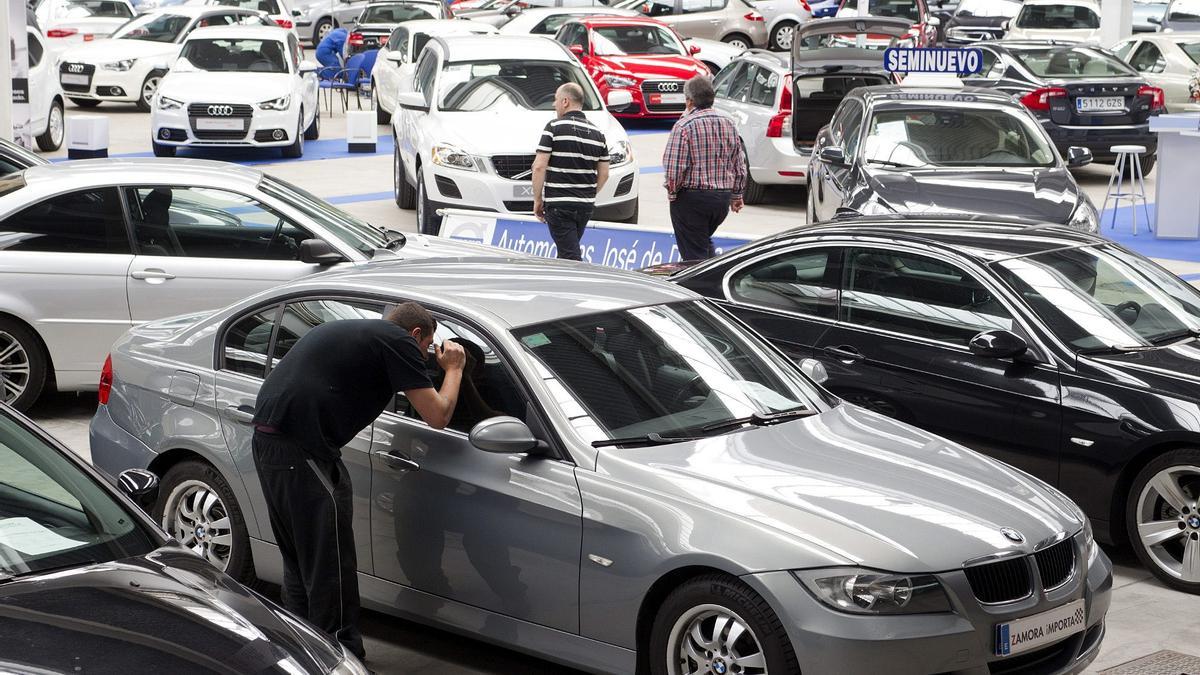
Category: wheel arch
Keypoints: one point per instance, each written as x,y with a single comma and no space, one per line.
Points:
178,454
51,379
654,597
737,33
1149,449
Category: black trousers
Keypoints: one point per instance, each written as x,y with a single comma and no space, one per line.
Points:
695,216
566,225
310,503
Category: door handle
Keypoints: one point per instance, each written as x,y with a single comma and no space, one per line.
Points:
240,413
397,460
844,353
151,274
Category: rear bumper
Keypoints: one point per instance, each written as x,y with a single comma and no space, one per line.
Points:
113,448
777,162
1101,139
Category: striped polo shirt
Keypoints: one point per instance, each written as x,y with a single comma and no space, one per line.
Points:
575,146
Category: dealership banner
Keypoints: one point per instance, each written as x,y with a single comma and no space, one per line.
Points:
611,244
19,53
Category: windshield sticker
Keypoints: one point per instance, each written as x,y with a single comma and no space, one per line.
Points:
536,340
32,538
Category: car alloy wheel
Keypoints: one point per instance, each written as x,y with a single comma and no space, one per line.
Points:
149,88
712,640
195,515
55,129
737,41
15,368
1168,522
323,28
784,33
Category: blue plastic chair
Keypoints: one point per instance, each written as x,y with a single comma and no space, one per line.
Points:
351,78
325,79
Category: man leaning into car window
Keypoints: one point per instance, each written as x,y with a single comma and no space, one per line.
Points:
332,384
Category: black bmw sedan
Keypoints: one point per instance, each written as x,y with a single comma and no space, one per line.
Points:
1056,351
89,584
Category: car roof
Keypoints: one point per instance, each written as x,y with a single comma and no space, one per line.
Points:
403,2
490,46
1094,4
766,57
616,20
516,291
885,93
584,10
1164,37
247,32
436,27
197,10
123,171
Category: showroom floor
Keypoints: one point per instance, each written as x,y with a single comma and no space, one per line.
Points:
1145,617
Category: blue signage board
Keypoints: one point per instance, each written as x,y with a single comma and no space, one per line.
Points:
933,60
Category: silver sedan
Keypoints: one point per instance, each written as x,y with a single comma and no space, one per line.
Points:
632,480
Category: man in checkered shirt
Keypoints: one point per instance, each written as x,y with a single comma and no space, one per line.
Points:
705,166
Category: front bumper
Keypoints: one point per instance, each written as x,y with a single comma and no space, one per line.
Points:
959,643
108,85
1101,139
259,129
641,108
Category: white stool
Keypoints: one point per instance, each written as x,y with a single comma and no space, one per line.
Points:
1128,157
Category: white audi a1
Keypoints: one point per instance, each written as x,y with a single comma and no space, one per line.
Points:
466,132
237,86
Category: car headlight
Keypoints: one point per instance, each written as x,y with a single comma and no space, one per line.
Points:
860,591
349,665
165,103
120,66
619,81
280,103
455,158
1085,217
1089,543
620,155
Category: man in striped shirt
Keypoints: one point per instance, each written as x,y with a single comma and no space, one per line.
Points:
570,168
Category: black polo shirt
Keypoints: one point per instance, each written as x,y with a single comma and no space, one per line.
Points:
336,380
575,146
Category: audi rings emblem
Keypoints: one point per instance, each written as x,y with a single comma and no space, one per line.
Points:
220,110
668,86
75,68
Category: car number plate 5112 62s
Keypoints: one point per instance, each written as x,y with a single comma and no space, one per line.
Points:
1099,103
1039,630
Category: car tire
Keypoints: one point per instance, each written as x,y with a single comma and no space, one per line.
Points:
84,102
428,222
56,128
1147,163
405,193
190,484
1160,534
783,33
689,616
320,30
296,149
149,88
755,191
313,132
161,150
24,365
738,40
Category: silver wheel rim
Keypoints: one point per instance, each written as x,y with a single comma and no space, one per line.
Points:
195,515
1168,521
14,368
783,36
712,640
148,88
56,125
739,43
396,174
420,203
323,30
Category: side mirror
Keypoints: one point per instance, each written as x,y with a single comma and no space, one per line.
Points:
619,99
815,370
1157,20
933,21
997,344
395,57
504,435
1077,156
513,10
833,154
307,66
319,252
1006,24
575,49
412,100
693,50
297,13
139,485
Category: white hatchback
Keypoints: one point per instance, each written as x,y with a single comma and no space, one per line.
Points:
67,23
238,86
1066,20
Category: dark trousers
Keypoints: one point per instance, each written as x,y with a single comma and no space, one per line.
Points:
695,216
310,503
566,223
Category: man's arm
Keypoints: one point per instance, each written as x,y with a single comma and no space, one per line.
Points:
601,175
436,407
540,161
674,160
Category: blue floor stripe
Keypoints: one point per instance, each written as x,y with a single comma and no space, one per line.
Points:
1145,242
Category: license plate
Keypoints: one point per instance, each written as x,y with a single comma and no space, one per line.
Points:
666,99
217,124
523,191
75,79
1099,103
1039,630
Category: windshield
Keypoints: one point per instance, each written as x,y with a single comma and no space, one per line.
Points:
955,136
394,14
52,514
906,9
506,85
348,229
667,369
1071,62
1100,297
220,54
637,39
1058,17
1184,10
268,6
154,28
82,9
988,8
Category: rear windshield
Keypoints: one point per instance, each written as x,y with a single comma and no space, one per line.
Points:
902,8
1192,49
268,6
394,14
1071,62
1058,17
107,9
988,8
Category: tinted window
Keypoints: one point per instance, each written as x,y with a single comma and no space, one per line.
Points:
300,317
725,79
1148,59
394,14
917,296
1122,50
1068,62
153,27
762,86
229,54
737,85
77,222
208,223
1058,17
247,343
794,281
35,50
398,42
902,8
1192,49
944,136
635,39
510,84
550,24
657,7
693,6
847,131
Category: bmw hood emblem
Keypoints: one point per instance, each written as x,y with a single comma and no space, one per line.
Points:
1012,535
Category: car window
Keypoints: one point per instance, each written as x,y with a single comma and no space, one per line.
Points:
918,296
847,132
955,136
35,50
724,79
550,24
210,223
635,39
762,86
268,6
1071,62
795,281
657,7
300,317
423,81
1058,17
906,9
89,221
1122,50
739,83
294,52
398,42
235,54
153,27
82,9
394,14
694,6
248,342
1148,59
1191,48
988,8
509,84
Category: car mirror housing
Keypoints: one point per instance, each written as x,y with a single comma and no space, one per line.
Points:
693,50
1006,24
933,21
998,344
815,370
833,154
618,99
576,49
395,57
504,435
1077,156
412,100
139,485
319,252
309,66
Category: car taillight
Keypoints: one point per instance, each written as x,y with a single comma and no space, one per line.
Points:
1157,98
106,379
60,32
356,38
780,124
1039,99
88,37
283,23
753,16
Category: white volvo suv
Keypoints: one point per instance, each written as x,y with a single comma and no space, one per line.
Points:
237,86
466,132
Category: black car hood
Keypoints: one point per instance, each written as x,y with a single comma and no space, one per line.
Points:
1173,370
165,612
1048,195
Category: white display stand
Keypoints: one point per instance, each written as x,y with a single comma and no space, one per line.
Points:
87,136
1176,199
362,131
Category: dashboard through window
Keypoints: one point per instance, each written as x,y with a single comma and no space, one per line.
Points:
505,85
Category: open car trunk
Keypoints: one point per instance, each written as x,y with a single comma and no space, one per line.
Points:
829,58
